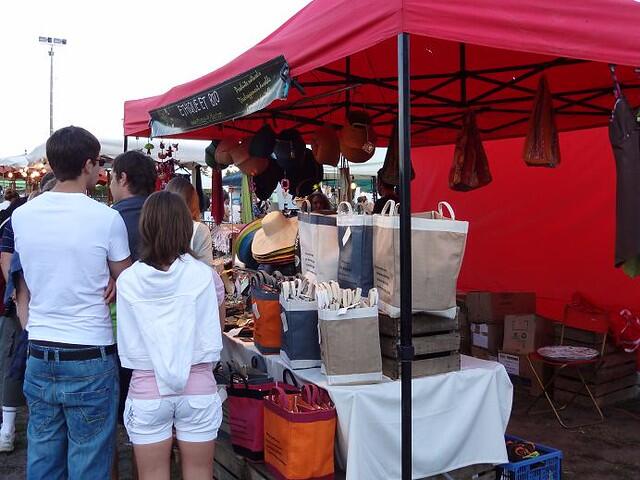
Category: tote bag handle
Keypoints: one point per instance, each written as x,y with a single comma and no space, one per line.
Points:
452,215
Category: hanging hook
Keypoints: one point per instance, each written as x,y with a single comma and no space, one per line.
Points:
617,90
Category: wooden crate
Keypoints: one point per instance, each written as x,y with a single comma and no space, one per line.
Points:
613,380
472,472
228,465
436,341
423,367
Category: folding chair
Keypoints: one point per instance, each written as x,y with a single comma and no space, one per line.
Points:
581,315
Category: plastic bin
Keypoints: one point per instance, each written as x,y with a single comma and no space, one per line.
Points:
548,466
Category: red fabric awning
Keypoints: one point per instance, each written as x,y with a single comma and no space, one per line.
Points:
498,34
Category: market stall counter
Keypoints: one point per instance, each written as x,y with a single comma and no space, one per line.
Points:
459,418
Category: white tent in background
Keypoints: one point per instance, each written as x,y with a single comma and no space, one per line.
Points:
16,161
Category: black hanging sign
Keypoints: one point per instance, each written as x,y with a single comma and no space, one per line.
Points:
237,97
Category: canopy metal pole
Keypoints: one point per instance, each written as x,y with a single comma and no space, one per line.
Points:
125,144
405,349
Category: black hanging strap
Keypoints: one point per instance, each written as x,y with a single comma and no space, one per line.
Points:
616,85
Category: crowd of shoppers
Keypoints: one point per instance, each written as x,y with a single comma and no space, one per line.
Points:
65,258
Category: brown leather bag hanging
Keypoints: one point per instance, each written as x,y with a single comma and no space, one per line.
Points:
470,169
542,147
390,171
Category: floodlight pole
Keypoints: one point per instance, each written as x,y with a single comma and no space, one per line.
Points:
51,41
405,349
51,91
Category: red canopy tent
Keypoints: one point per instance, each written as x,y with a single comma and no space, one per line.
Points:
486,55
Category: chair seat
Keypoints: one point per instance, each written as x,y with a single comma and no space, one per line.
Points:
536,357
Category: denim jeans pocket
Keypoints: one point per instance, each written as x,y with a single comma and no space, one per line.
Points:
87,412
40,411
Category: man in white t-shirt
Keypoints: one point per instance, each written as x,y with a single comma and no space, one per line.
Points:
70,245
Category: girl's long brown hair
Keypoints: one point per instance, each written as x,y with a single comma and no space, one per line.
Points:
183,187
165,229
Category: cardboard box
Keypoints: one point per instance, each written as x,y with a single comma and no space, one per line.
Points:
519,370
487,336
491,307
483,354
526,333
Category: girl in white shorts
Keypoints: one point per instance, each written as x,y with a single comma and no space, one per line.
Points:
169,334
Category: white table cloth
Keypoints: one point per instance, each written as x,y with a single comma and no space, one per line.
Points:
459,418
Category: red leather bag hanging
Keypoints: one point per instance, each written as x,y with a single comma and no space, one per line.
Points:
470,169
542,146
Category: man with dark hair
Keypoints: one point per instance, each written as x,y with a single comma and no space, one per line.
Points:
69,247
133,179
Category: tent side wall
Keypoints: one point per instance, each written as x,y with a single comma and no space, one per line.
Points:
551,231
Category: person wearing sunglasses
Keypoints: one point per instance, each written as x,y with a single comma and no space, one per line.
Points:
69,247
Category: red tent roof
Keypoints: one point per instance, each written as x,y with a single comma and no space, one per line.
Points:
506,46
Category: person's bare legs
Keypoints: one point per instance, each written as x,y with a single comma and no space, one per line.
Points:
196,460
153,460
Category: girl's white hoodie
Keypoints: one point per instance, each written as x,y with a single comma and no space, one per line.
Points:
168,321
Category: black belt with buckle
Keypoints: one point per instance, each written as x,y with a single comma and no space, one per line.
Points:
75,354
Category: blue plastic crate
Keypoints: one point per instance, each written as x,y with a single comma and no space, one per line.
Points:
548,466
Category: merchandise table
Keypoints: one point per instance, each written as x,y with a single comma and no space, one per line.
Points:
459,418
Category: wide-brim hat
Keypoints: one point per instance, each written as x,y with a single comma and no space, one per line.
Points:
277,233
210,155
245,162
263,142
223,150
267,181
244,251
246,230
326,145
289,148
357,138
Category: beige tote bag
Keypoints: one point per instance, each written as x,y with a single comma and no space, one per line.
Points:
437,248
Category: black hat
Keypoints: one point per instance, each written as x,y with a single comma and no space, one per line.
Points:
267,181
289,148
263,142
306,174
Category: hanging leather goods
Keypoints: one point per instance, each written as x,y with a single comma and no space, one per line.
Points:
470,168
217,199
390,172
542,145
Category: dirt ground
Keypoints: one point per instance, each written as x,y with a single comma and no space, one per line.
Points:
606,451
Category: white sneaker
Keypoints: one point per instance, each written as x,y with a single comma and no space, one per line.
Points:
6,442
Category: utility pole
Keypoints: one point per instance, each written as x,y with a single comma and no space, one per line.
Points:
51,41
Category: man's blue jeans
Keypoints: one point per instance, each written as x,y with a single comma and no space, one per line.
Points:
72,416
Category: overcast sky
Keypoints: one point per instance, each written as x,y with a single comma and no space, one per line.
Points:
117,50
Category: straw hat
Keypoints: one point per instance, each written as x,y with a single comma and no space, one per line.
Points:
245,162
223,150
357,138
277,233
326,146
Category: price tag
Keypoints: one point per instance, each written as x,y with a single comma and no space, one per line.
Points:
256,312
285,325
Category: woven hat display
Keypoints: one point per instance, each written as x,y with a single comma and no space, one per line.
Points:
245,162
326,145
276,237
357,138
222,153
242,244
